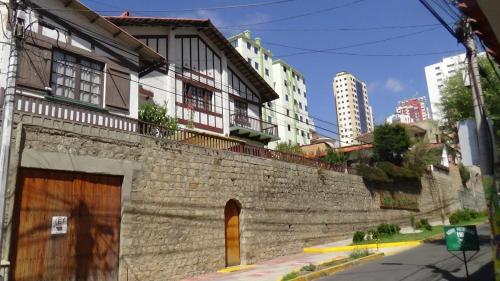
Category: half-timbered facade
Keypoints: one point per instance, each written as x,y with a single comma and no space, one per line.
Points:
206,85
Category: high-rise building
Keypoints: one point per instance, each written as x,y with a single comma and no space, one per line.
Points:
416,108
354,113
436,76
290,111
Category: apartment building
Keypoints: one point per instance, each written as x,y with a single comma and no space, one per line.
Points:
436,76
354,114
415,108
290,111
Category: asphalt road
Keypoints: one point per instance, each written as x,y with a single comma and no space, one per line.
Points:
429,262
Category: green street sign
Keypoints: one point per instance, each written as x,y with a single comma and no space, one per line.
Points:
461,238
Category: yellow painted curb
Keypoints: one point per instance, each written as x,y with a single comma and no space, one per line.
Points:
337,268
236,268
363,246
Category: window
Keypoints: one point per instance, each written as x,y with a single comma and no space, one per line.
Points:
257,65
289,127
249,61
305,107
240,108
269,104
307,121
296,116
265,57
293,88
267,72
269,119
288,112
197,97
284,69
255,50
300,105
305,95
249,46
300,118
77,78
286,97
235,43
284,81
302,133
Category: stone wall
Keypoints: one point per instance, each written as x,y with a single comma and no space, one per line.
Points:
173,214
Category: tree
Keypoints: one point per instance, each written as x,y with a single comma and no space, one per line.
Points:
420,156
390,141
334,157
456,99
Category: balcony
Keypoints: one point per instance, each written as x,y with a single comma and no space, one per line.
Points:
244,126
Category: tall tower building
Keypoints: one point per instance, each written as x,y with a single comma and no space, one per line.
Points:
290,111
354,114
436,76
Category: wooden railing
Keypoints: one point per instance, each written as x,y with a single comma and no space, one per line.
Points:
287,157
187,136
244,121
73,112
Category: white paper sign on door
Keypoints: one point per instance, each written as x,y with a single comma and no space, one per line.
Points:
59,225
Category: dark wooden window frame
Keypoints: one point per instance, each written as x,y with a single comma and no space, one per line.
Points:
201,95
78,58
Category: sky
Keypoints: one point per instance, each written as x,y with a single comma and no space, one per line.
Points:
388,78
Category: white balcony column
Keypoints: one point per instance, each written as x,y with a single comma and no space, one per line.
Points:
225,95
170,83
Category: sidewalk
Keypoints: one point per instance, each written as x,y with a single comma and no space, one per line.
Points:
273,270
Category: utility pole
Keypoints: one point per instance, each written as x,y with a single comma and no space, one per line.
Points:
486,147
16,31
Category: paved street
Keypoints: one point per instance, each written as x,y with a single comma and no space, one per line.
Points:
430,262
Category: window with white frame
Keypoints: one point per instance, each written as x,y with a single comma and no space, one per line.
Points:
77,78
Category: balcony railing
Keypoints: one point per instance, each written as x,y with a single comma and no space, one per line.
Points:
247,122
72,112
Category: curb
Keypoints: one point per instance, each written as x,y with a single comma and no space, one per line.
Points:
338,268
363,246
236,268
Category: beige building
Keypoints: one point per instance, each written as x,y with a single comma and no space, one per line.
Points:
354,113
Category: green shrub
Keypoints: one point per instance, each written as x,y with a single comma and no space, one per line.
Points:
309,267
464,173
394,171
289,148
385,229
290,276
463,216
356,254
154,113
358,236
423,224
373,174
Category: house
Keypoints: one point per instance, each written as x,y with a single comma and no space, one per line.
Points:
76,65
77,69
206,84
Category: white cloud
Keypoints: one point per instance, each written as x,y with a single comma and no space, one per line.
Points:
394,85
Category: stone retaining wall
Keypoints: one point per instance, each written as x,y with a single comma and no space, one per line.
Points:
173,214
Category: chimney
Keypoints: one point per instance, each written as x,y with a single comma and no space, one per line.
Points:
125,14
257,41
247,34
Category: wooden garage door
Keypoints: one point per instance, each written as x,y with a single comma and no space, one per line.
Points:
88,251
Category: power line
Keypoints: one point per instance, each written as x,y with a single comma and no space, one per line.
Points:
308,50
365,28
247,5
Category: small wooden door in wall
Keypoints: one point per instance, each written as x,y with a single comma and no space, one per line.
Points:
232,223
